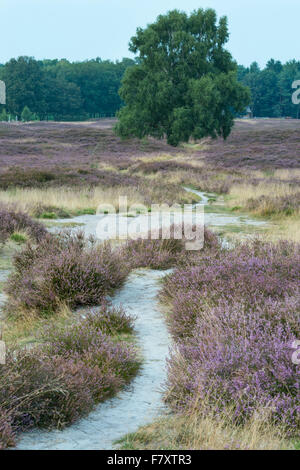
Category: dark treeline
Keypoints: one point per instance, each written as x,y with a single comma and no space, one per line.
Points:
61,90
271,88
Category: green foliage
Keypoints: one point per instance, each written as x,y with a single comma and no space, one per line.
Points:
61,90
3,115
271,88
26,114
19,237
160,92
48,215
184,84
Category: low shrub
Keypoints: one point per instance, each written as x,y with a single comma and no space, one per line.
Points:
234,316
12,222
164,253
110,320
239,360
62,379
65,268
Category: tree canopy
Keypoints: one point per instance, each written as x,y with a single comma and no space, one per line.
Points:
181,84
59,89
271,88
185,83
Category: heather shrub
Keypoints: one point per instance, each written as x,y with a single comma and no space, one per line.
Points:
67,268
250,273
114,362
188,307
13,222
164,253
44,391
110,320
62,379
89,338
234,316
241,361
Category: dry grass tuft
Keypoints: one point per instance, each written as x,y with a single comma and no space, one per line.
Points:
67,199
194,432
23,330
239,194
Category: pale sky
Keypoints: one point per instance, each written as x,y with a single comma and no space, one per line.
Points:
85,29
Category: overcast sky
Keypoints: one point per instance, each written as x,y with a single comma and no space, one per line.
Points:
85,29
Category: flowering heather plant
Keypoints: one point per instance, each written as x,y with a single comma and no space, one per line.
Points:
242,361
249,272
249,146
12,221
163,253
234,316
67,268
115,361
61,380
110,320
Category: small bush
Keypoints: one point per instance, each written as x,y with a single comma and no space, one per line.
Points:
163,253
19,237
26,114
110,320
61,380
67,268
235,314
12,222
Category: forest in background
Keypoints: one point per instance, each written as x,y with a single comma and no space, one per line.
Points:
271,88
61,90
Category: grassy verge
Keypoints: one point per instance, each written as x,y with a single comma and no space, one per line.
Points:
177,432
64,202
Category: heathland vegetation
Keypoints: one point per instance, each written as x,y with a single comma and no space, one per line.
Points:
249,381
232,309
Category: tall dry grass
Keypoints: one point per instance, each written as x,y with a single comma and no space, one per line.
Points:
239,194
277,200
196,432
288,229
70,200
283,174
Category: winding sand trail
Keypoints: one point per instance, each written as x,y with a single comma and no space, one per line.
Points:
141,401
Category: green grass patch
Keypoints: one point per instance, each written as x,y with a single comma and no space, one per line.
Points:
297,445
48,215
86,211
19,237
